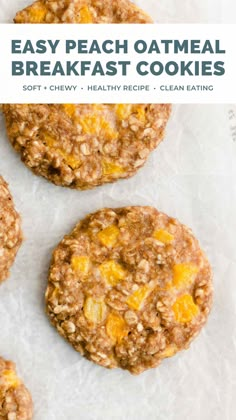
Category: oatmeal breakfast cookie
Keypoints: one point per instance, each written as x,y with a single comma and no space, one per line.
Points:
129,287
83,146
10,230
15,399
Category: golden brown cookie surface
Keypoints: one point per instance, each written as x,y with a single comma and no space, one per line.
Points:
10,230
82,11
15,399
83,146
129,287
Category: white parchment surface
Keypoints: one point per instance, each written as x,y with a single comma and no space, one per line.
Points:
191,176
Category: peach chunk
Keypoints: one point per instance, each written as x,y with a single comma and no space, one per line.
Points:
80,264
37,13
109,235
123,111
135,301
85,15
11,378
95,310
163,236
112,272
116,327
110,168
69,109
185,309
184,274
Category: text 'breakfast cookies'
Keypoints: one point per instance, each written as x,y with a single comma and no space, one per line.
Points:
129,287
83,146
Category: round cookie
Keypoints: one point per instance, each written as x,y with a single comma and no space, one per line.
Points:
83,146
10,230
15,399
129,287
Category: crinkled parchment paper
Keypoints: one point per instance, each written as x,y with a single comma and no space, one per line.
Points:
191,176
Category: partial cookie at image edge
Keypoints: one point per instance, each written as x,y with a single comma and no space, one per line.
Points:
15,399
10,230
